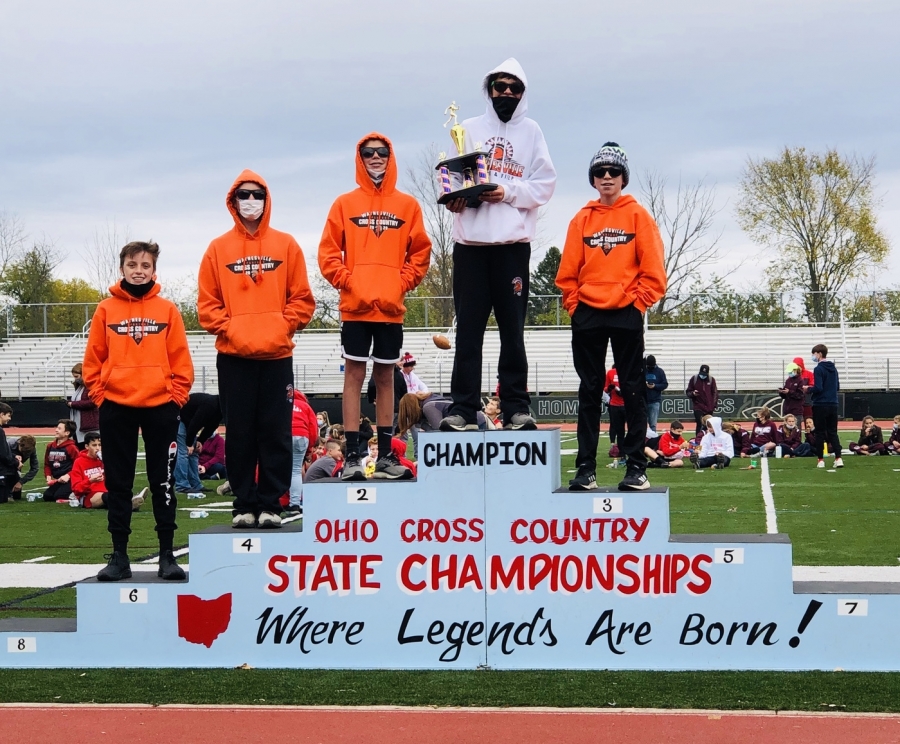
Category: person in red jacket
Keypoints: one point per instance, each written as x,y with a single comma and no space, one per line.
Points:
138,370
611,272
304,430
374,249
59,457
254,296
668,450
616,409
808,378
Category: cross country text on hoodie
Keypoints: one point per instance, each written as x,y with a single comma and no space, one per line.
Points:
518,160
718,441
253,290
374,247
137,351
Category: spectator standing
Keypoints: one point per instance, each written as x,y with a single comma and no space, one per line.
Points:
492,249
792,393
871,440
24,448
59,457
374,249
304,429
656,382
254,296
611,272
200,417
413,383
616,408
9,465
212,458
85,413
807,377
825,405
704,396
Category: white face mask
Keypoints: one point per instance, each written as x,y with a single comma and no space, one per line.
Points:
251,209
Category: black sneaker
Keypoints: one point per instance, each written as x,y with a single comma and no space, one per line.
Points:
720,460
353,469
456,423
634,480
292,510
390,468
695,460
169,570
118,567
585,480
521,422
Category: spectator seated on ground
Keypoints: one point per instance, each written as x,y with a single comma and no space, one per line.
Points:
428,413
893,444
871,441
324,424
336,432
764,437
368,462
492,413
809,428
791,443
59,457
740,439
366,432
398,447
212,458
24,449
716,449
667,450
9,465
328,465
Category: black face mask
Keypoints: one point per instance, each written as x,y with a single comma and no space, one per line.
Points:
137,290
504,107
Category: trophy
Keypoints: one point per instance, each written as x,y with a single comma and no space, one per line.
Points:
465,176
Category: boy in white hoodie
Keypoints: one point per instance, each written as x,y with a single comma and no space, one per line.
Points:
492,249
716,448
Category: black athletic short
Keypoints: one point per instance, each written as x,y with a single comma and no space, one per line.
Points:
362,340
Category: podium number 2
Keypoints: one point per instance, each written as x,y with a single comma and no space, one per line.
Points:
132,596
246,545
361,495
729,555
21,645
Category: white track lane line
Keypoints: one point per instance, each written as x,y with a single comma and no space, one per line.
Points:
768,499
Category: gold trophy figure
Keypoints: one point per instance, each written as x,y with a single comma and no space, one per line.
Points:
465,176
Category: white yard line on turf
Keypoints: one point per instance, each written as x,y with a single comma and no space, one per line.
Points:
768,499
38,560
155,559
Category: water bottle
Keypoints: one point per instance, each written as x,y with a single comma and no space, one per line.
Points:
196,495
33,497
199,514
777,450
73,502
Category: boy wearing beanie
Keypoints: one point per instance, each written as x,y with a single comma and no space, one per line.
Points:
612,270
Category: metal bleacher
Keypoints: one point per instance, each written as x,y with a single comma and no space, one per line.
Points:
744,359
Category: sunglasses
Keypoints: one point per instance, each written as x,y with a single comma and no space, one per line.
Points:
371,152
516,89
598,171
247,193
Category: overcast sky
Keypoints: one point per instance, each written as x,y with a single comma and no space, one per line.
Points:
144,113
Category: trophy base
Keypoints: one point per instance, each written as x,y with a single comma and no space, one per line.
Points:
470,194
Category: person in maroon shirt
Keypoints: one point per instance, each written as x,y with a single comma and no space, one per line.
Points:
871,441
59,458
739,437
765,436
791,443
792,393
704,396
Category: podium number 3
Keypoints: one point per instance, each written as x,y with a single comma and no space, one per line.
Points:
361,495
21,645
246,545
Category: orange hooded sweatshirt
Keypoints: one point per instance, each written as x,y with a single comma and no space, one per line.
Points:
613,258
137,352
254,293
374,246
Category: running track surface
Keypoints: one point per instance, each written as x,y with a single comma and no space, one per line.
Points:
273,725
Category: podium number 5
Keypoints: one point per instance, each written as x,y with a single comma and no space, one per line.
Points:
729,555
360,495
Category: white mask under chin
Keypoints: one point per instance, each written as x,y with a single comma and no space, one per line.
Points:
251,209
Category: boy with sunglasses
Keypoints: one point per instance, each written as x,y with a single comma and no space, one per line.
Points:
374,250
611,272
492,249
254,296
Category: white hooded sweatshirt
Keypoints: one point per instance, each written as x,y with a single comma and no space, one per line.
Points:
719,441
518,160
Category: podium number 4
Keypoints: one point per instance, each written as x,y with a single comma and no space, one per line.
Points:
360,495
246,545
21,645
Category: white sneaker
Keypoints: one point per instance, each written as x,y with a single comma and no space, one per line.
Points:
820,464
243,522
268,520
224,489
138,501
838,462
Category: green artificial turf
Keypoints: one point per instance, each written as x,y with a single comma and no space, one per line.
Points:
812,691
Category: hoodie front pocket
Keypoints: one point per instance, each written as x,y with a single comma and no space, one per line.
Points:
145,383
376,285
604,295
258,335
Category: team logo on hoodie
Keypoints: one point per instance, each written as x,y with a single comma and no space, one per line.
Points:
137,328
378,222
253,265
500,157
608,238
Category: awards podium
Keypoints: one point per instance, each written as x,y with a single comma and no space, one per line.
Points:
482,562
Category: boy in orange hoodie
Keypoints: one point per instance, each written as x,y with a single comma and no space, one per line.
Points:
254,296
374,250
612,270
138,370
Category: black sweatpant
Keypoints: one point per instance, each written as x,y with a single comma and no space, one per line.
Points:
59,490
257,397
616,425
158,427
825,419
590,340
489,277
